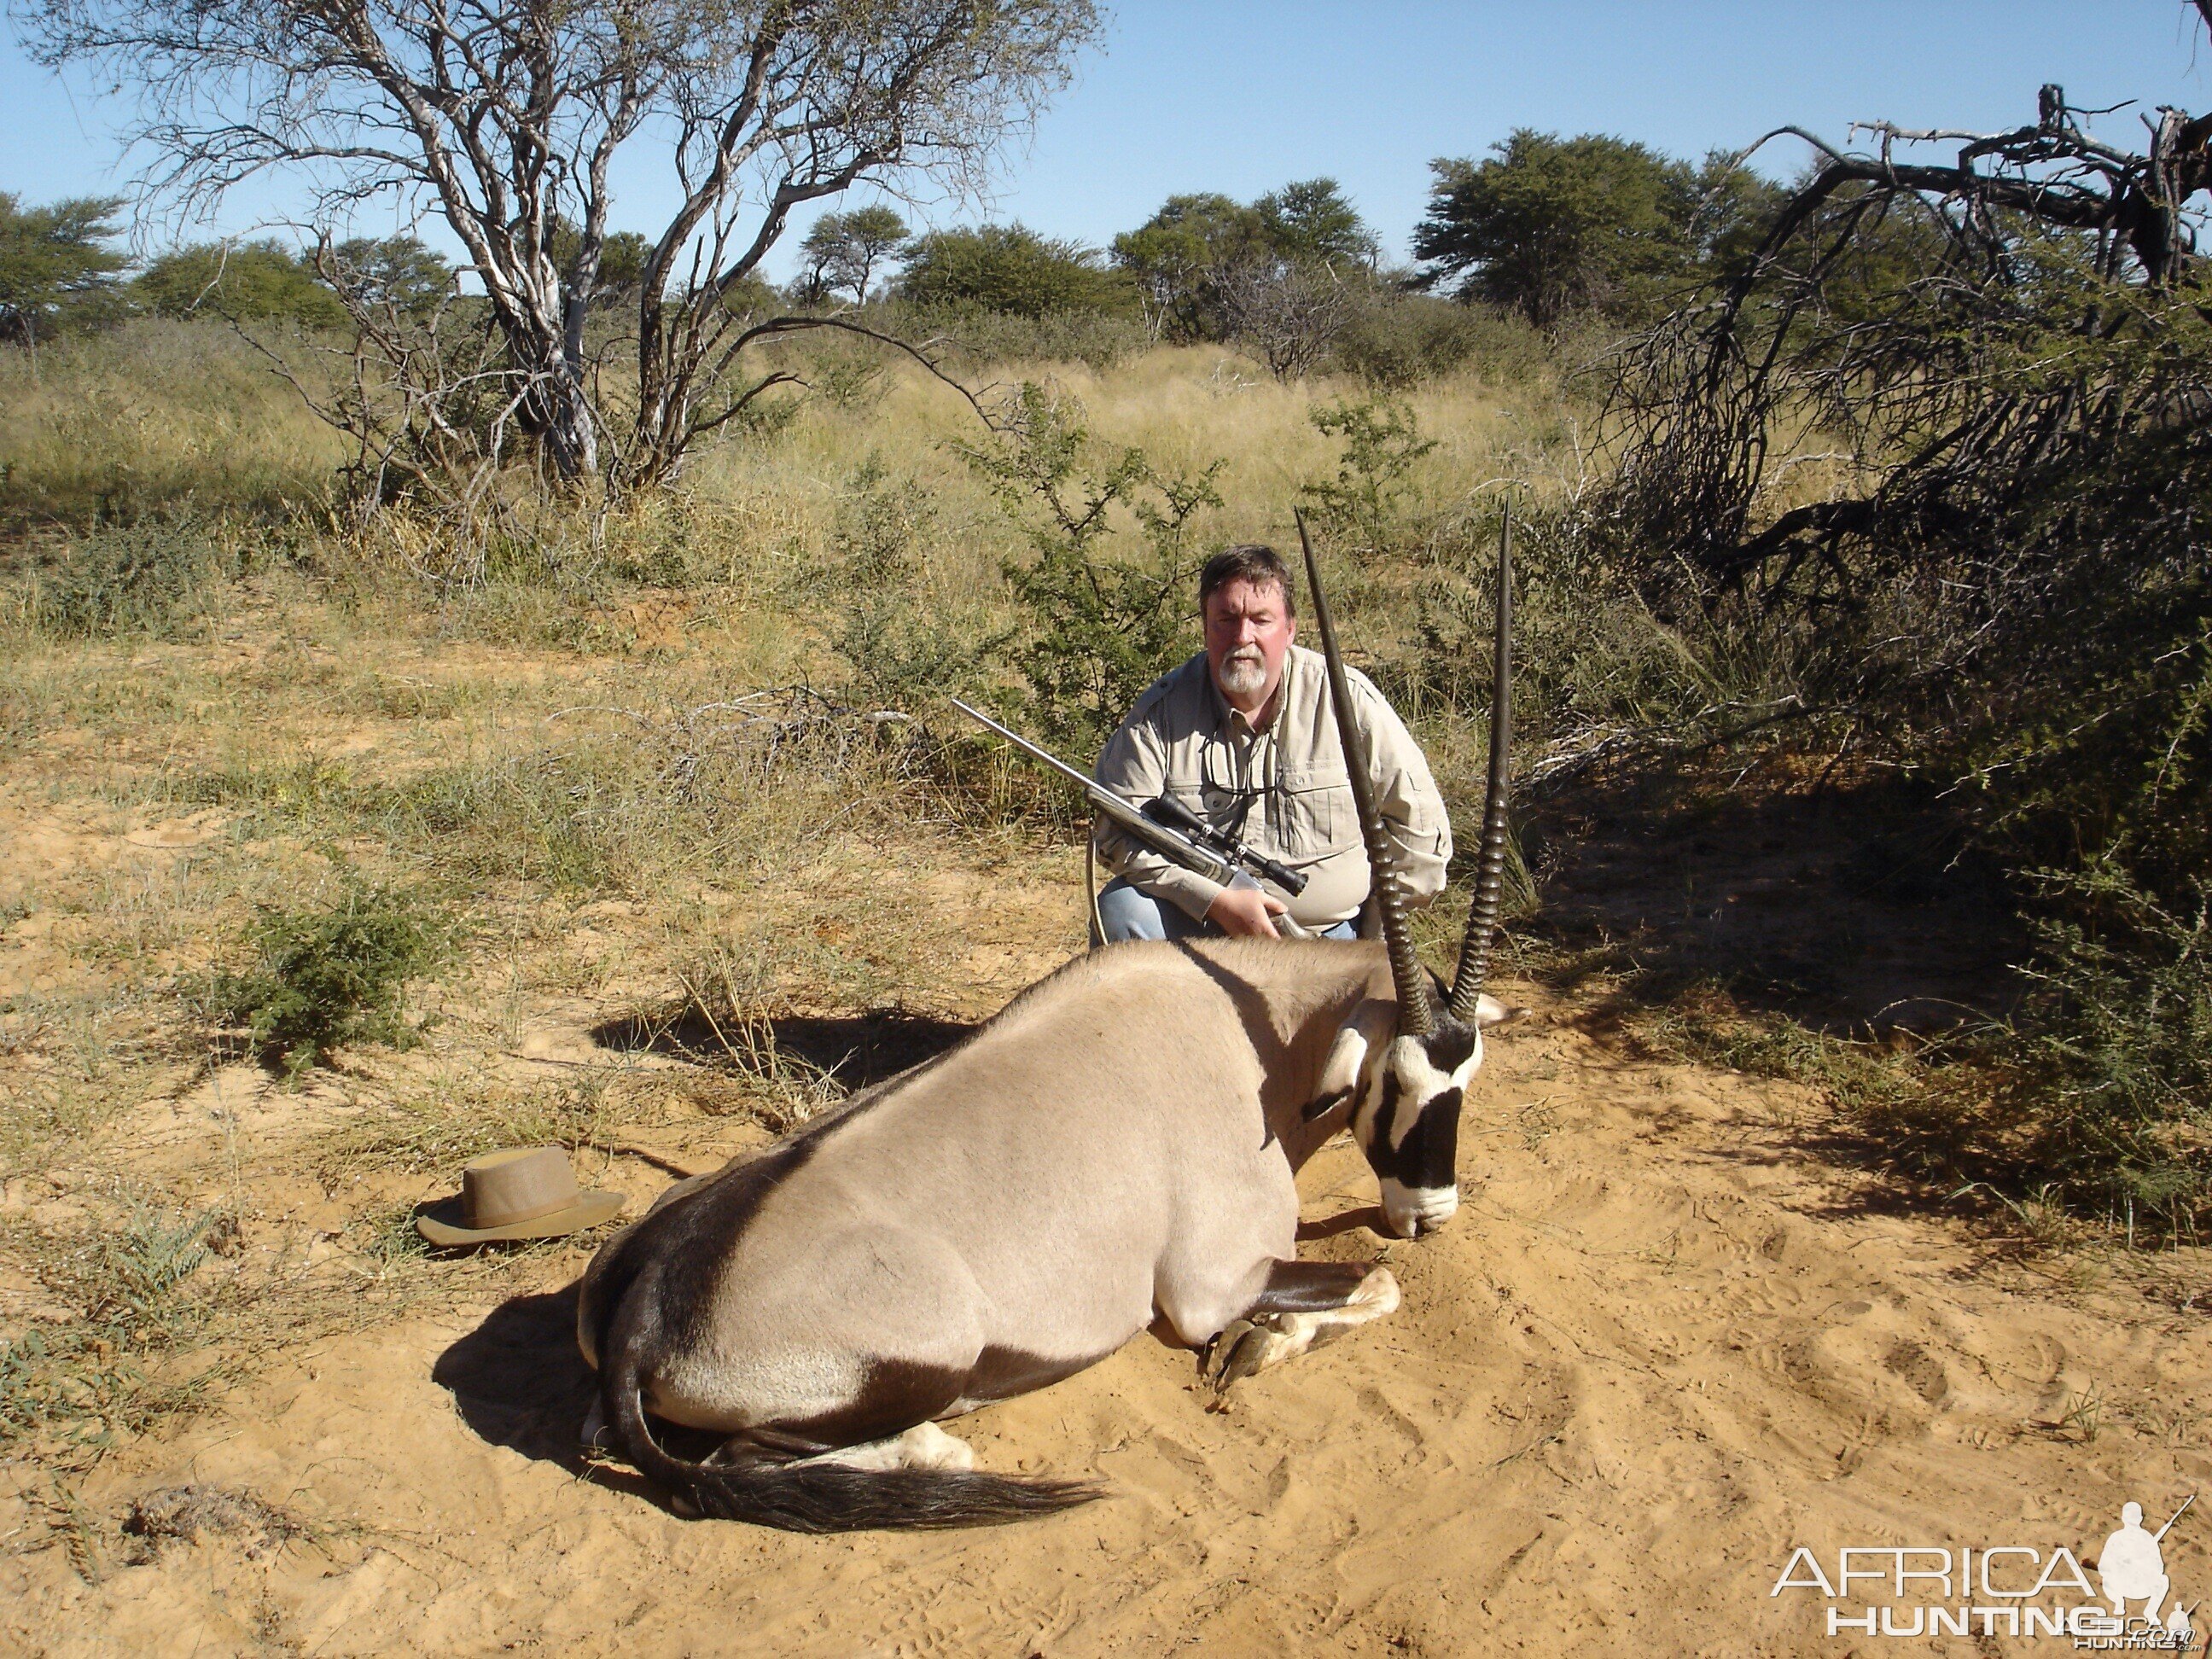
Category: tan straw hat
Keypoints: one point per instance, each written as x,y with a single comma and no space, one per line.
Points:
529,1193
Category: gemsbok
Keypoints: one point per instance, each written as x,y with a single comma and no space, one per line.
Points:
1118,1144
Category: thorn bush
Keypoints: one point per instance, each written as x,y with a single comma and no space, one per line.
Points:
1096,628
142,578
328,975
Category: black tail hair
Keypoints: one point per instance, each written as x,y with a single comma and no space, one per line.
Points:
823,1496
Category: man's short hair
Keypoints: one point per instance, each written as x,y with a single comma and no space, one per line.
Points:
1248,561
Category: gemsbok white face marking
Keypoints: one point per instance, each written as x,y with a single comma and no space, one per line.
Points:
1407,1125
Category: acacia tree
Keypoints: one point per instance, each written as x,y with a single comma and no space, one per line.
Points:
1010,269
1285,271
1311,219
846,250
395,271
506,118
1547,225
53,266
251,281
1172,256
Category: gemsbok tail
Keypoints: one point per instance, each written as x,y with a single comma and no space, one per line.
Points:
824,1497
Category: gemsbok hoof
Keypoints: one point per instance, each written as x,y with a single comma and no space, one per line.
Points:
1244,1346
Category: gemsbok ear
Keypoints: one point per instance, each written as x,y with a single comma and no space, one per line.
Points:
1322,1105
1489,1012
1340,1075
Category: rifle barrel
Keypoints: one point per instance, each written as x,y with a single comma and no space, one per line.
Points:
2177,1516
1168,843
1089,786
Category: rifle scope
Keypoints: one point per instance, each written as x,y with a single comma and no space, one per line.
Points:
1174,815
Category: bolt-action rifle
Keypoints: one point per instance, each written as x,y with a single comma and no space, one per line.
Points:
2178,1514
1171,830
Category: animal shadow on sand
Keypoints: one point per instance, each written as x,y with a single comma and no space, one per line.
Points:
519,1381
1367,1216
855,1049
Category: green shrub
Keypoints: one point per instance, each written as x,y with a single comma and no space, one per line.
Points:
249,281
328,975
1416,337
1381,444
906,645
849,374
1009,268
138,1270
903,652
1095,627
2112,1059
883,523
145,578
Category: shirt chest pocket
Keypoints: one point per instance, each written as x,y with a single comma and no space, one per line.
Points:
1315,810
1207,780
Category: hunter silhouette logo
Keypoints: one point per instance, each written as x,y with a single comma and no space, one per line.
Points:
2007,1590
2133,1567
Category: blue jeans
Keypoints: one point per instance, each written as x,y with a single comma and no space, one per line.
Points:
1127,913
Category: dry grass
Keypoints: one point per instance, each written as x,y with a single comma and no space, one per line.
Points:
631,778
154,416
630,775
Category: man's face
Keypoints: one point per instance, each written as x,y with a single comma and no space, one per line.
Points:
1249,630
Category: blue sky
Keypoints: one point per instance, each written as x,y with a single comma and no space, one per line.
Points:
1240,96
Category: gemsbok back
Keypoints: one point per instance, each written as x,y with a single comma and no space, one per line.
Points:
1118,1144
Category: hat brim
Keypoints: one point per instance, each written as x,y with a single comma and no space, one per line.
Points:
437,1224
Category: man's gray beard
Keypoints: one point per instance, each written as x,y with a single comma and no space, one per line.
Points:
1243,678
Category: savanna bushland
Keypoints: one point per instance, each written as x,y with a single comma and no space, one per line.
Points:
384,661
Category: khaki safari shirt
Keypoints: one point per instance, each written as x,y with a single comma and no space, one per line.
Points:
1282,789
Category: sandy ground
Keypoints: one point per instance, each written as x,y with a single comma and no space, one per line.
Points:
1665,1341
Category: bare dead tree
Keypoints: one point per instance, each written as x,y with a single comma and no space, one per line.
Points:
1289,311
1998,559
506,117
2031,260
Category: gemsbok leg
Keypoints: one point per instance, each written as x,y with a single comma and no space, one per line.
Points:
1304,1305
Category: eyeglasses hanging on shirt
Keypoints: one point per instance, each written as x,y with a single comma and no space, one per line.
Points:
1229,800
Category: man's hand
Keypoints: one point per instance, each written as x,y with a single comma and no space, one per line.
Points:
1246,912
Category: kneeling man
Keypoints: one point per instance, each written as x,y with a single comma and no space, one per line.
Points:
1244,736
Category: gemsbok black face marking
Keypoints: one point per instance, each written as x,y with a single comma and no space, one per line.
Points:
1118,1145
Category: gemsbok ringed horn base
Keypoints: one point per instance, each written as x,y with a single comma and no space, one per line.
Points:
1118,1144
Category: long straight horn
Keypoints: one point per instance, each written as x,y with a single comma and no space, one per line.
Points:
1415,1017
1490,863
